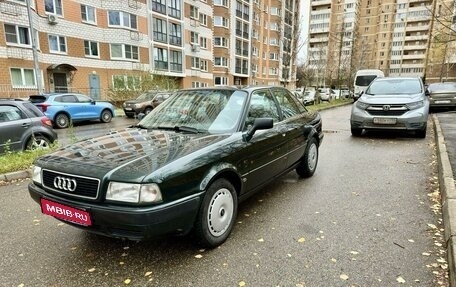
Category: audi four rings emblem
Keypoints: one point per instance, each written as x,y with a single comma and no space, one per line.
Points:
64,183
386,108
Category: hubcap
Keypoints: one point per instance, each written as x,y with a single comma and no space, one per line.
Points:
313,157
220,213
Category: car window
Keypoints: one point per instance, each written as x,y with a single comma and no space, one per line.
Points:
286,103
10,113
37,98
65,99
83,99
261,105
32,110
394,86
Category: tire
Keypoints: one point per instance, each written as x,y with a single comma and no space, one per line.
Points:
38,142
147,110
62,121
217,214
106,116
356,132
309,161
421,133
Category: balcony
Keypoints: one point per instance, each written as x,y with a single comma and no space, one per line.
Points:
416,38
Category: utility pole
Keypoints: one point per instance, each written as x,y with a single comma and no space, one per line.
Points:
34,50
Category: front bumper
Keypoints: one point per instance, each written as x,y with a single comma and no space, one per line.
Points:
412,120
134,223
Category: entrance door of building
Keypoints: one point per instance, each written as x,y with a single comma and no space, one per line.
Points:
60,83
94,84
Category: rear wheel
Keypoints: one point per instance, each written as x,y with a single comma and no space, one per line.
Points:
106,116
309,161
38,142
62,121
356,132
217,213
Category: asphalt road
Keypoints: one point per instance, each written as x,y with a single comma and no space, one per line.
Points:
366,218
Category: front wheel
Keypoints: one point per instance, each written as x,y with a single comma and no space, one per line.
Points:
217,213
421,133
106,116
356,132
309,161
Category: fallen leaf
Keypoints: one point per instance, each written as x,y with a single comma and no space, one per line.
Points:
127,281
91,269
148,274
261,240
354,252
198,256
334,260
301,240
21,285
121,263
411,240
426,254
242,283
400,279
343,277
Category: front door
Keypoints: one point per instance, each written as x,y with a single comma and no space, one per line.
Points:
60,83
94,84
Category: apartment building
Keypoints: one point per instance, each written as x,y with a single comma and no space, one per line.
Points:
98,46
394,36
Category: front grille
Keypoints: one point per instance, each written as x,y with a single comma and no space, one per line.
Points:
387,110
85,187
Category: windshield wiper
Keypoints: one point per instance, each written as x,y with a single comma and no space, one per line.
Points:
186,129
139,127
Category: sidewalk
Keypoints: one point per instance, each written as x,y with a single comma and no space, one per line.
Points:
446,153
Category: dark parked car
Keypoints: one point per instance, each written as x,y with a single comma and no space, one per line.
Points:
145,103
442,95
64,108
183,167
23,126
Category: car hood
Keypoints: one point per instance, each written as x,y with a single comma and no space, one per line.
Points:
391,99
133,102
127,155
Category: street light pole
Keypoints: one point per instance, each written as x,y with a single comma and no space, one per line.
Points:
34,50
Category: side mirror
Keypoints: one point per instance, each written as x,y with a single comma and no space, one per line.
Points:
258,124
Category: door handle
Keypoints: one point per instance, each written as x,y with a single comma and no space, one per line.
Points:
25,125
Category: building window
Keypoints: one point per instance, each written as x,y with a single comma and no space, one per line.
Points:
159,30
174,8
194,38
194,12
88,14
122,19
91,48
220,61
204,65
220,42
53,7
203,42
220,81
195,61
220,21
221,3
203,19
22,78
175,61
57,44
158,6
124,52
160,59
17,35
175,34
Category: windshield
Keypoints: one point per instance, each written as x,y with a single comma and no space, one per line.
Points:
213,111
145,97
442,87
394,86
364,81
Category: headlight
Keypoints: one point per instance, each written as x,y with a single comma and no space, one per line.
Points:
134,193
137,106
361,105
124,105
36,174
415,105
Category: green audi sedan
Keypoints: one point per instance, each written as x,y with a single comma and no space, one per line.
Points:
183,168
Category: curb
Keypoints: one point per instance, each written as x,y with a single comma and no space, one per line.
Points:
448,194
15,175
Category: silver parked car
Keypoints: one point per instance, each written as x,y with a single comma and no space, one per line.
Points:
392,103
442,95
